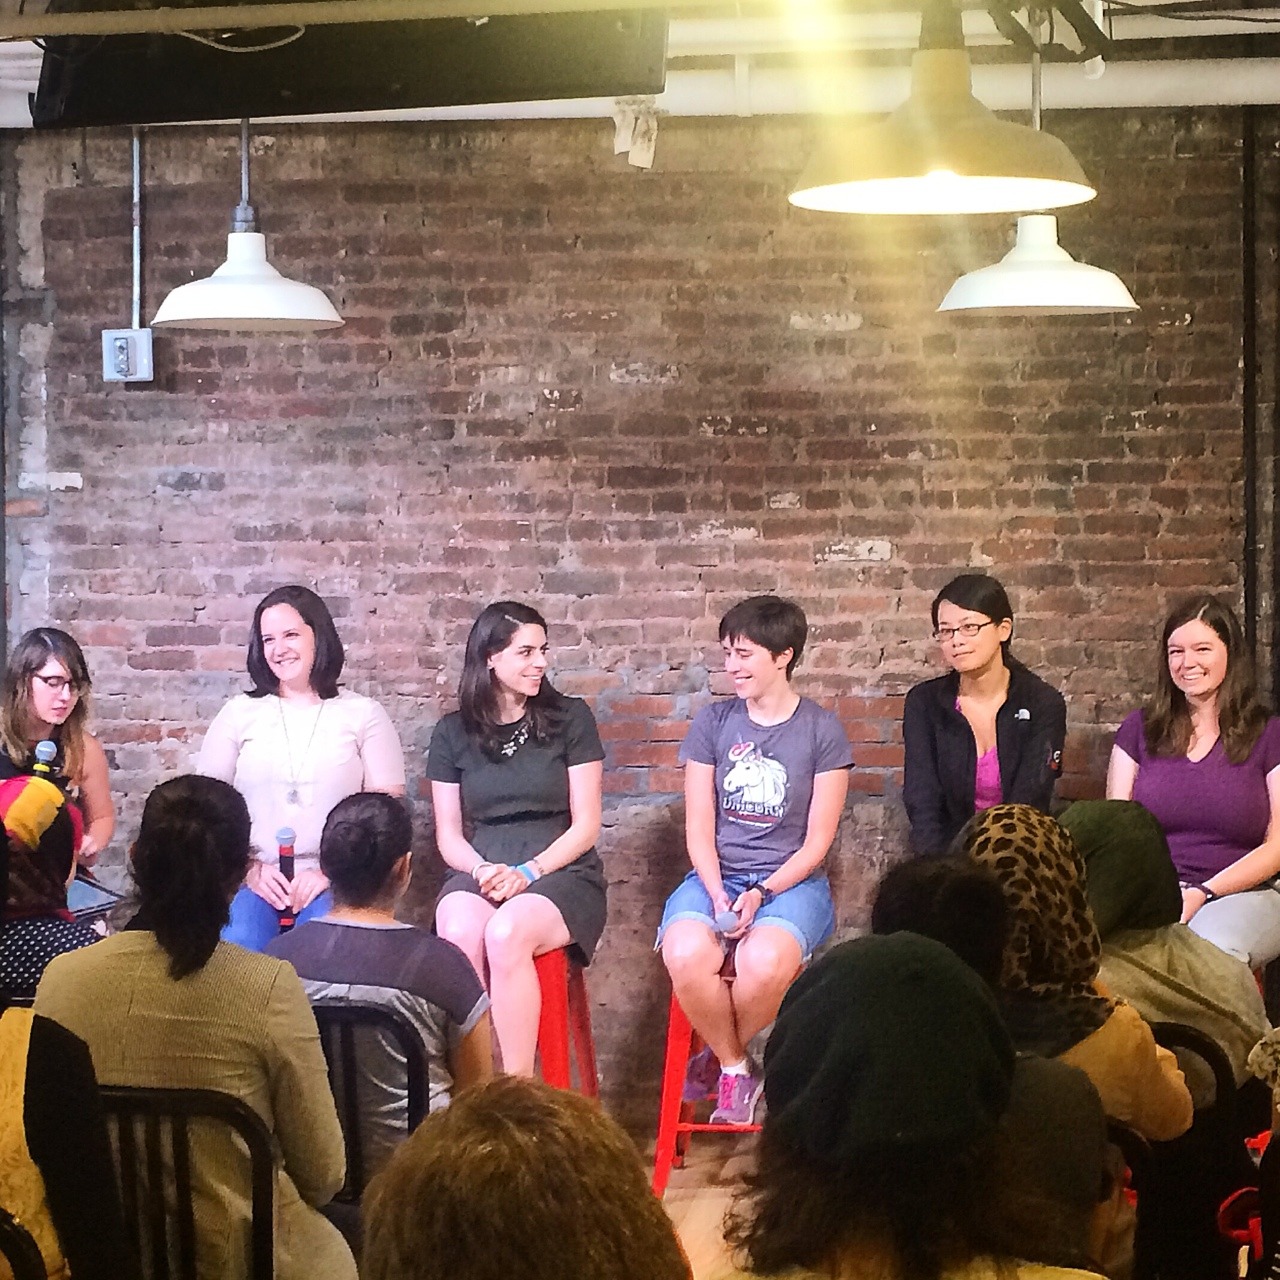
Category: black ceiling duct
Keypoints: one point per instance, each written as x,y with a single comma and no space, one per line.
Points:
375,66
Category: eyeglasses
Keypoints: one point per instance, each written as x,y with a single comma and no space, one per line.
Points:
966,629
56,684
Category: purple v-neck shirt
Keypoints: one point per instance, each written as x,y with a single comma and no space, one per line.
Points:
1212,811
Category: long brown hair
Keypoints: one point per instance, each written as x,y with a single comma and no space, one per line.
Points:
1166,718
28,656
477,691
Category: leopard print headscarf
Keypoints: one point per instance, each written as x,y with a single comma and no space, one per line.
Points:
1051,955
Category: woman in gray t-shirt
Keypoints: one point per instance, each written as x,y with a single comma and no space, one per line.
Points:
766,775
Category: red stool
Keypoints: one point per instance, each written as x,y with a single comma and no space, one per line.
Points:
675,1115
565,1012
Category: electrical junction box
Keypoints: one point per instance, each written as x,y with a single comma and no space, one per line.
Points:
126,355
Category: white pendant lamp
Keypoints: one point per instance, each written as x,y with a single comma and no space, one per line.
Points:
1037,277
246,292
942,151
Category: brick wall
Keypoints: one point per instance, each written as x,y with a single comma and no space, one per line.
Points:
630,398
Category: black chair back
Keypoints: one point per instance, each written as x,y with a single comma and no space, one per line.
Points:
1189,1177
339,1024
152,1138
19,1250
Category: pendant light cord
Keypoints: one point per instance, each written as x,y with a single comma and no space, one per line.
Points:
1034,17
243,217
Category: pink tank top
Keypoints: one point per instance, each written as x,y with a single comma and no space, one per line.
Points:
986,781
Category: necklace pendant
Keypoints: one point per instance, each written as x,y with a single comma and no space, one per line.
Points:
292,795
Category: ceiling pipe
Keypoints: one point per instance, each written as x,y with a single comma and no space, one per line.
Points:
776,91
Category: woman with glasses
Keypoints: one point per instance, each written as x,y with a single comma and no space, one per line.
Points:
989,732
45,696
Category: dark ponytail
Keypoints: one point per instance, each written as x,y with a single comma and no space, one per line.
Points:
191,854
364,837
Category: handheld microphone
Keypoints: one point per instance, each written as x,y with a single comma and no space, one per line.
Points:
284,841
46,753
726,921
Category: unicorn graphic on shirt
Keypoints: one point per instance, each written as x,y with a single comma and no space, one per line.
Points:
755,788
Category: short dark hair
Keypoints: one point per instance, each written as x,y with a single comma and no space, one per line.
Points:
364,837
490,633
329,652
517,1181
771,622
979,592
191,854
952,900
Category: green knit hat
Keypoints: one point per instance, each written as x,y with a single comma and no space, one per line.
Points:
886,1043
1131,883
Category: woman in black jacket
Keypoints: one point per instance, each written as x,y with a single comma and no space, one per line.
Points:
989,732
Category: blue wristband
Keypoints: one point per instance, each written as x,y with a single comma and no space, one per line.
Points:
528,872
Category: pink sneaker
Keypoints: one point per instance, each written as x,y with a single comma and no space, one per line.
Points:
737,1098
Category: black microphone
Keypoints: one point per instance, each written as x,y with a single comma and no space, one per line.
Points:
284,840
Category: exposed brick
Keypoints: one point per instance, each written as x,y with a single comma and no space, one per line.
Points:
562,382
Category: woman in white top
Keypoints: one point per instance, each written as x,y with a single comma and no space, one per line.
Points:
293,746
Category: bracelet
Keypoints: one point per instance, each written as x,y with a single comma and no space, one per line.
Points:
530,870
477,869
767,895
1209,895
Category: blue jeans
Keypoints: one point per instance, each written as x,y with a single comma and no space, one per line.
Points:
254,921
805,911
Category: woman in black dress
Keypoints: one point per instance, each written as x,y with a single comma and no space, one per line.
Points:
516,775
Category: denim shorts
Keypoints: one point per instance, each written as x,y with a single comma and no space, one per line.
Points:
805,911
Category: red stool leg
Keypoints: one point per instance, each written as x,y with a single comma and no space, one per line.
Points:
584,1048
674,1067
688,1110
553,1020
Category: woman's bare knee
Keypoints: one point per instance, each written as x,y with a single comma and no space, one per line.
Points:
690,950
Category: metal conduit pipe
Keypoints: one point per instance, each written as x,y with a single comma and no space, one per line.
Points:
772,91
746,89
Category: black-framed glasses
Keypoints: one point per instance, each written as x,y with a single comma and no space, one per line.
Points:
966,629
56,684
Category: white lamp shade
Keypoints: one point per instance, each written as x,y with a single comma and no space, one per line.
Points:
247,293
1037,277
940,152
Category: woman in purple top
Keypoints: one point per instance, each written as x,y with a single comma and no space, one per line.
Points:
1204,756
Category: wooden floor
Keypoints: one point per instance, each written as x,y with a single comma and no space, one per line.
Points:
699,1194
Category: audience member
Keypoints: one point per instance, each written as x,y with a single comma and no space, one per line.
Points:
293,746
1167,972
987,733
42,828
517,1181
887,1077
359,953
516,780
1204,756
166,1004
952,900
1049,991
765,779
45,697
56,1175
